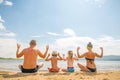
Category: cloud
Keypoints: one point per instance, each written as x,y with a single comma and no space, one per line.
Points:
65,43
1,24
7,47
36,36
109,44
8,3
69,32
8,34
4,32
1,1
99,3
2,27
1,20
53,34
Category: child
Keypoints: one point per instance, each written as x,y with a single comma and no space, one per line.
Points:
70,60
54,60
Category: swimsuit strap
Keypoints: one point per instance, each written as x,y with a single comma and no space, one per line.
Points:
89,59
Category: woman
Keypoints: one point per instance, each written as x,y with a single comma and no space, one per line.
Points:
90,57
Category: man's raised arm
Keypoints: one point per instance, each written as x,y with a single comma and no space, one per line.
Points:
43,55
18,55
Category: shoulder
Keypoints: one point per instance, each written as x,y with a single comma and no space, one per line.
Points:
25,49
67,57
85,53
94,53
37,50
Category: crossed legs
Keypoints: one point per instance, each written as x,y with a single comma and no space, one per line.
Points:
83,68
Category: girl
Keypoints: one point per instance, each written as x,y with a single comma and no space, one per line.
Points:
70,60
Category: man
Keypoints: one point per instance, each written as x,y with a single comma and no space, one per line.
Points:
30,57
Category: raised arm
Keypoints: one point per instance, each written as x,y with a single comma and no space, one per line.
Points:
64,57
60,58
46,51
43,55
76,57
80,56
47,58
101,55
18,55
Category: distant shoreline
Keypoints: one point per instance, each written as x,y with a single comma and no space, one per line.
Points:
105,58
1,58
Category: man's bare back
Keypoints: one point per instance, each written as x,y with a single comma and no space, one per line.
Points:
30,56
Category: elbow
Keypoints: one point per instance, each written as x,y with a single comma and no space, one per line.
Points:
61,58
46,60
77,59
17,56
43,56
100,56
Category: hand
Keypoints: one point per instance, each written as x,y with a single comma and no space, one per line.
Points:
75,55
78,48
101,48
63,55
58,54
18,46
47,47
49,54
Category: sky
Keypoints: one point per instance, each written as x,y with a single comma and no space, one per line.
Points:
63,24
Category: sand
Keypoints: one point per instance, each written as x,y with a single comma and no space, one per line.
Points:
45,75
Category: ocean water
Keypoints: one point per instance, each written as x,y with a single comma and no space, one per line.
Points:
12,65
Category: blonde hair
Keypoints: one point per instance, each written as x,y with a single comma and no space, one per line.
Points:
70,52
89,45
54,53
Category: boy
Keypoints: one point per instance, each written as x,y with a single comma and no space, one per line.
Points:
54,60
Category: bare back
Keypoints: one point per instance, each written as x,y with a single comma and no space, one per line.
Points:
54,61
70,62
30,58
90,56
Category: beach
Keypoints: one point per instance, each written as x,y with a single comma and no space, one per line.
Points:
45,75
106,70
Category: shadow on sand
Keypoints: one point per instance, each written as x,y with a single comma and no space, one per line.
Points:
19,74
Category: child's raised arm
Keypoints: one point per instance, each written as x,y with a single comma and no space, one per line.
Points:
64,57
48,59
76,57
60,58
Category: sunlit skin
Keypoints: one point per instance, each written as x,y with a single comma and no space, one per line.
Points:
30,56
54,61
90,54
69,60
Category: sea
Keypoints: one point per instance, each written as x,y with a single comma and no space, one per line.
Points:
12,65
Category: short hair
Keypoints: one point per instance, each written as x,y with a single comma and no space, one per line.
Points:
54,53
33,42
